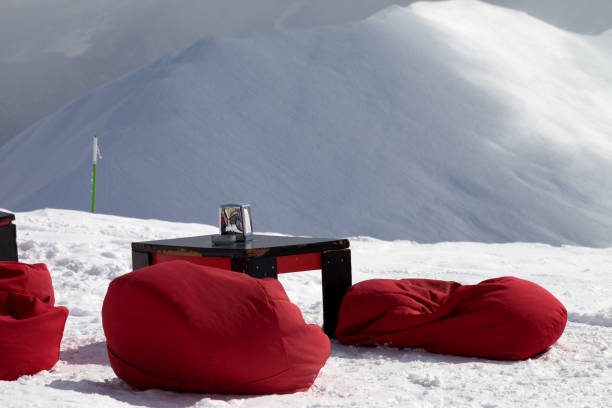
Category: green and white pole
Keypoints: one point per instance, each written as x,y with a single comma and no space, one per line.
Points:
96,155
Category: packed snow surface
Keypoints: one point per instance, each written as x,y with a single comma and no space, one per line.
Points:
439,121
84,252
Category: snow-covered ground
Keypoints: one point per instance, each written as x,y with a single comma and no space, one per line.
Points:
85,252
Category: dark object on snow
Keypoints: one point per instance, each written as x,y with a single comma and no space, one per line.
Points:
31,327
504,318
262,257
8,238
187,327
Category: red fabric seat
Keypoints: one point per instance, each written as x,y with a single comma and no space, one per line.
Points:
181,326
31,327
504,318
34,280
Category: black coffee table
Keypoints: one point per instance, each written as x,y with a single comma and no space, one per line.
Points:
8,237
262,257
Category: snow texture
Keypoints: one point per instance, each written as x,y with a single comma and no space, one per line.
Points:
85,252
439,121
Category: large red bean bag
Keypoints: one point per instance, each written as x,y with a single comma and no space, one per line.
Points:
187,327
504,318
31,327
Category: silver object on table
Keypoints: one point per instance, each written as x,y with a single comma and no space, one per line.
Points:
235,223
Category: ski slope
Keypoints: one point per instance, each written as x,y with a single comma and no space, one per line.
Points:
84,252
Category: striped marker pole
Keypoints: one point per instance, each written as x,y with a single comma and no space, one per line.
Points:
96,155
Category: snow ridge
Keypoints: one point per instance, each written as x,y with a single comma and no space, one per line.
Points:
600,318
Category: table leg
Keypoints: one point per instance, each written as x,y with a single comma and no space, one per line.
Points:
8,243
141,260
336,279
262,267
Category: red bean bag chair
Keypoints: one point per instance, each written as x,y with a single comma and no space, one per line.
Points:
31,327
187,327
504,318
34,280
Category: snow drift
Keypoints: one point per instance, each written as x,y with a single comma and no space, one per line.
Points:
439,121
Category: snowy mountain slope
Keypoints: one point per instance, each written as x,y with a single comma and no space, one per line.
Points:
84,252
584,17
52,51
439,121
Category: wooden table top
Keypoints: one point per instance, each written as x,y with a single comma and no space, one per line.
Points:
260,245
